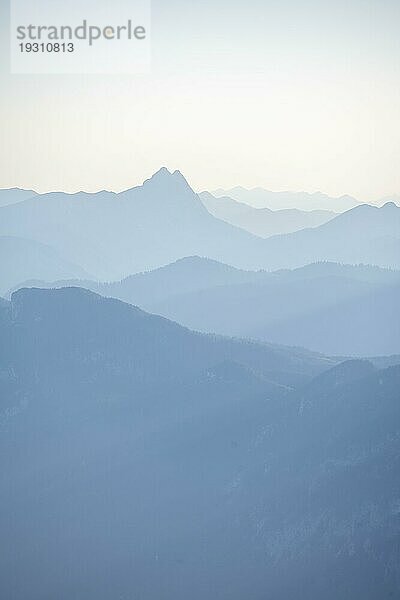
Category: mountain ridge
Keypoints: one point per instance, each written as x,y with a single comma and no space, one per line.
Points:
113,235
262,198
263,222
339,309
138,455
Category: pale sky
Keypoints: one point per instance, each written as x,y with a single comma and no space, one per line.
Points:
283,94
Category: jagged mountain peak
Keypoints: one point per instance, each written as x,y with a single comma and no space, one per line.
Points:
164,176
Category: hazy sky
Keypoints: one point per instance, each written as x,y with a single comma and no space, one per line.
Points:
284,94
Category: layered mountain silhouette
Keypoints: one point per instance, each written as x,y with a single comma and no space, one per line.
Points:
261,198
114,235
263,222
365,234
153,349
186,275
142,459
327,307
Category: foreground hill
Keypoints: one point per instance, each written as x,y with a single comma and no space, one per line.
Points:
143,460
153,349
263,222
334,465
114,235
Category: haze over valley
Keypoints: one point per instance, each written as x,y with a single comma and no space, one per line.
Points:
199,396
111,236
199,300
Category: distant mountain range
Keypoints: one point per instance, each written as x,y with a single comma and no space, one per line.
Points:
331,308
263,222
186,275
261,198
113,235
140,458
365,234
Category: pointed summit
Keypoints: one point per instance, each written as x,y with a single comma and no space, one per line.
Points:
160,175
165,180
179,177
